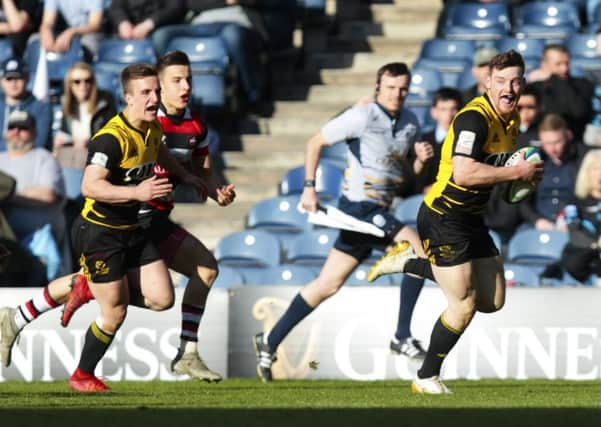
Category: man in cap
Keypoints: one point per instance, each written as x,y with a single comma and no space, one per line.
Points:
39,196
14,76
480,71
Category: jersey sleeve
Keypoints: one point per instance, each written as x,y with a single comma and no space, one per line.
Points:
105,151
347,125
470,131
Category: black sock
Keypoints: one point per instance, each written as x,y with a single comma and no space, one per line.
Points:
420,267
96,343
442,341
298,310
410,290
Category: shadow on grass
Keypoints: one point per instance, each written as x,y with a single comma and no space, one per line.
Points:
304,417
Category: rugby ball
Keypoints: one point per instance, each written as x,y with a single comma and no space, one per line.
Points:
519,189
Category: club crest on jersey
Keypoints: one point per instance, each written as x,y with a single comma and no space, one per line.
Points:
139,173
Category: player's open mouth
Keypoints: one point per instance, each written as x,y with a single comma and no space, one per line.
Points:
508,99
185,98
153,108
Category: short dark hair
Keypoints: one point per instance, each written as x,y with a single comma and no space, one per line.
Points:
394,69
557,47
447,94
135,72
176,57
530,90
507,59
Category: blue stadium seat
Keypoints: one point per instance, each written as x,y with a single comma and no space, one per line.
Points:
278,215
426,122
311,247
6,50
285,274
249,248
407,210
583,52
591,9
521,275
536,247
336,154
476,21
466,79
120,52
314,7
547,20
72,178
228,277
448,57
528,48
209,61
108,78
328,181
359,277
424,83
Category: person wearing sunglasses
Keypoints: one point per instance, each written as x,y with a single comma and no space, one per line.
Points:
14,75
86,108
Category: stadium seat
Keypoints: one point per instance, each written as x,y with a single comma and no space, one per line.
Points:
476,21
72,178
529,48
448,57
286,274
336,154
424,83
426,122
328,181
209,61
6,50
466,79
521,275
228,277
583,52
311,247
278,215
359,277
547,20
119,52
536,247
407,210
249,248
109,80
591,9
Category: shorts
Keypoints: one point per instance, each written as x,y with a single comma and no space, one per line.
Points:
360,245
166,235
106,254
454,239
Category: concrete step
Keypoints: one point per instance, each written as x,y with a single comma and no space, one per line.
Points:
406,11
274,158
375,44
324,94
357,62
262,144
254,183
413,30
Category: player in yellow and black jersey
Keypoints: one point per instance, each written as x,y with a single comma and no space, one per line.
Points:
463,258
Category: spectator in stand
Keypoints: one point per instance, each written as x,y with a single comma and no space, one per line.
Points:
445,104
63,20
582,255
40,194
86,108
561,93
480,71
242,33
530,111
561,157
138,19
14,76
18,20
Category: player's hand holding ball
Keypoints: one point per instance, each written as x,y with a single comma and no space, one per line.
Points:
529,167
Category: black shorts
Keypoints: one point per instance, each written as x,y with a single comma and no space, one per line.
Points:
360,245
166,235
106,254
453,239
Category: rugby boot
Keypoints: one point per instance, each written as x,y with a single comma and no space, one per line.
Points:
265,358
80,295
432,385
392,261
409,347
86,383
8,334
191,364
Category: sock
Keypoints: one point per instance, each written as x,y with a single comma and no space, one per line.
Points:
297,311
31,309
410,290
442,341
191,315
96,343
420,267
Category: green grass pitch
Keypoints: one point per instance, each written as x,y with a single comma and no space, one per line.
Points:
246,402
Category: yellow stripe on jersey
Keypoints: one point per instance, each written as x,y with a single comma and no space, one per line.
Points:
446,196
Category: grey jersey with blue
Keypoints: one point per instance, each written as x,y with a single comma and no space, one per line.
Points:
378,145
